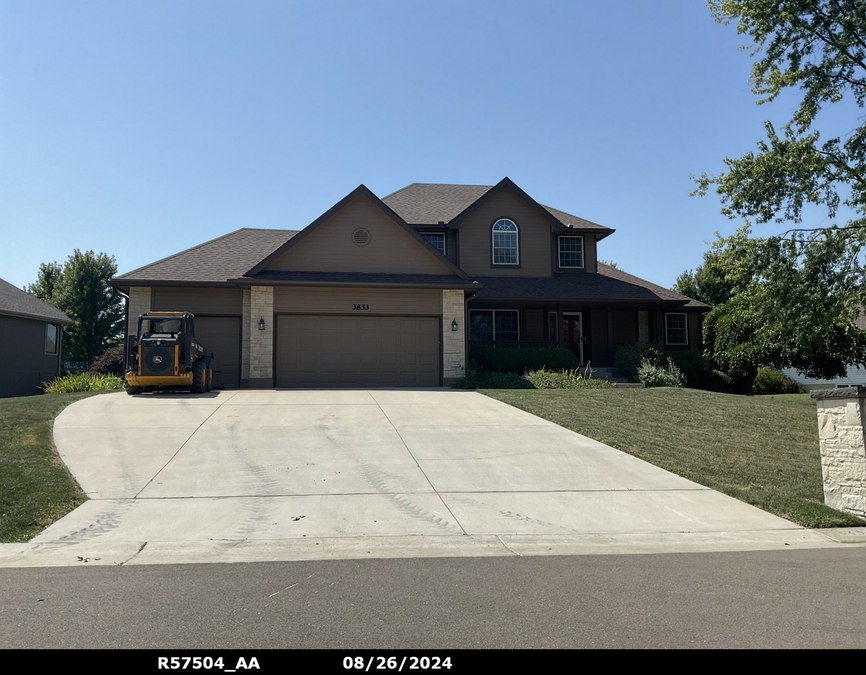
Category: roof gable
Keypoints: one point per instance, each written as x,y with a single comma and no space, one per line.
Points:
15,302
358,234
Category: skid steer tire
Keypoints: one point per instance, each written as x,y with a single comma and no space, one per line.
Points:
132,390
199,378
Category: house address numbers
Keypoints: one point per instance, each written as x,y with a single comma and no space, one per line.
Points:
361,307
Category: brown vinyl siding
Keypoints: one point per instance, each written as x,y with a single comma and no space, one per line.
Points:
197,300
590,253
476,252
694,325
624,323
330,247
598,338
323,300
534,324
25,365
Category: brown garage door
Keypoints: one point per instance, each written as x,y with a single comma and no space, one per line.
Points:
222,337
357,351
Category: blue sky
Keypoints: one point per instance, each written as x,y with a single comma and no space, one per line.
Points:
141,129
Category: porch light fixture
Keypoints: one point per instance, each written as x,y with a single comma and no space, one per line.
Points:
454,324
261,323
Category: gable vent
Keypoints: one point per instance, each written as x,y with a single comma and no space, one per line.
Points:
361,237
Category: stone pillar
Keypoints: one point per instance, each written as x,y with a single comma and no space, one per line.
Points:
245,339
841,421
453,342
261,341
139,303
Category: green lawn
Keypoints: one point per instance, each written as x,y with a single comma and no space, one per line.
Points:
760,449
35,486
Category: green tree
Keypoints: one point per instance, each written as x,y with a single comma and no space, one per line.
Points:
81,291
791,301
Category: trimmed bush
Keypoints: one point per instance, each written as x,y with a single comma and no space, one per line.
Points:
520,361
653,375
768,382
789,386
487,380
110,362
566,379
631,356
82,382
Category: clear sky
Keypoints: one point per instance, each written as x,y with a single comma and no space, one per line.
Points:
141,129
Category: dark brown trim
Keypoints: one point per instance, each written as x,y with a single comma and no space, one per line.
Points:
125,284
244,283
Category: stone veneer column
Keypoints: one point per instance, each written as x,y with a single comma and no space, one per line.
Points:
453,342
841,421
261,341
139,303
245,340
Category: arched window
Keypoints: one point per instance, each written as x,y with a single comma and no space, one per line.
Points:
505,248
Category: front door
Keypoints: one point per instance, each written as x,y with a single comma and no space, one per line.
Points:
572,333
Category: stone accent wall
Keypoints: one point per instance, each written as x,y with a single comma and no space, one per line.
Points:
139,303
841,421
261,341
245,336
453,342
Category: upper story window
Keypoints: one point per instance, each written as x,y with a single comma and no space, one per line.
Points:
505,244
437,239
571,252
676,331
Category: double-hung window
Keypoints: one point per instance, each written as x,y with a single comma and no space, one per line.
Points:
494,324
505,243
571,252
437,239
676,329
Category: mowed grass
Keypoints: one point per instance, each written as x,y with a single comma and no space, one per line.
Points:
760,449
36,488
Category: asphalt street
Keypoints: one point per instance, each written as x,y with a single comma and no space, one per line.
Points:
760,599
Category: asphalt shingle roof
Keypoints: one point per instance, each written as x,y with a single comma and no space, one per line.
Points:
610,284
363,277
432,203
226,257
16,302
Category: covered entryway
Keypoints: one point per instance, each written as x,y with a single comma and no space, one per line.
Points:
358,351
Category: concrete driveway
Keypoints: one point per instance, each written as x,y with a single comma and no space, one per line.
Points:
286,475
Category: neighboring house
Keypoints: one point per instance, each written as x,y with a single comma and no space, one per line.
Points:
30,332
855,374
395,291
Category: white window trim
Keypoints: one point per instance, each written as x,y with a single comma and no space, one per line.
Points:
667,334
493,242
493,323
444,241
582,252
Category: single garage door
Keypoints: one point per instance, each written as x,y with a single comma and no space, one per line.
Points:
222,337
357,351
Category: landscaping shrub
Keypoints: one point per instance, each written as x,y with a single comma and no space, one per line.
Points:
789,386
566,379
653,375
631,356
768,382
520,361
82,382
110,362
699,371
487,380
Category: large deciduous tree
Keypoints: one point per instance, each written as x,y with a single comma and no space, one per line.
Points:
791,301
80,289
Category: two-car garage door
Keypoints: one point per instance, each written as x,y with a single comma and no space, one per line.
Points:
357,351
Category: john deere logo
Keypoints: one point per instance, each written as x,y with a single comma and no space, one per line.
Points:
157,359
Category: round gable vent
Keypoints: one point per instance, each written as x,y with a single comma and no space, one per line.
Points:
361,237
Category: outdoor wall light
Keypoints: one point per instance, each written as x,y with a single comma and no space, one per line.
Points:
454,324
261,323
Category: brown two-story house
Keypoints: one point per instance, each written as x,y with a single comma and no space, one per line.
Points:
395,291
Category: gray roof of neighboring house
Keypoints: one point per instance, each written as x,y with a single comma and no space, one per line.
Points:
15,302
227,257
432,203
609,284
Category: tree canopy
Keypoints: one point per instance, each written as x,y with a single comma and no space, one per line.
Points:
791,300
79,288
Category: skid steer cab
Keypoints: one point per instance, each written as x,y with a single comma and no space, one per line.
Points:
164,354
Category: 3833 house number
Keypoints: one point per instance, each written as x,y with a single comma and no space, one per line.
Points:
360,307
